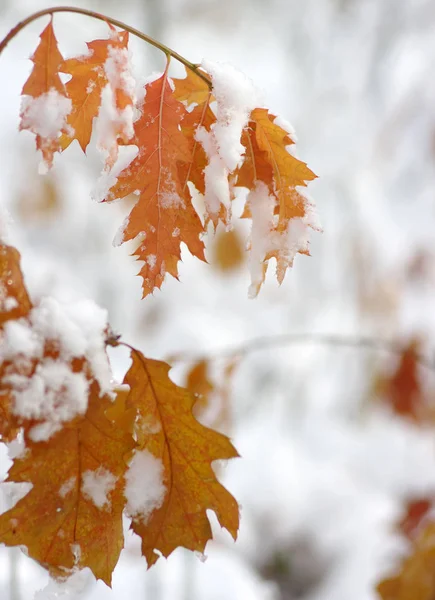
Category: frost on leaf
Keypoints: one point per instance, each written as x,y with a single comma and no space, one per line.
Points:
158,174
45,105
63,521
48,361
179,454
101,85
15,304
50,394
282,215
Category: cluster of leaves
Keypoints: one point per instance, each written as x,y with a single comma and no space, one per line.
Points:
57,521
170,159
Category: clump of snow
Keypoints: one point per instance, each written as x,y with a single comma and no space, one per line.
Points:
67,486
217,188
236,95
46,116
111,124
17,448
144,487
151,260
288,127
50,390
126,154
96,485
117,110
53,394
13,493
118,100
265,239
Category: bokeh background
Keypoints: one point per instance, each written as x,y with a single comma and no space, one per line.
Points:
333,450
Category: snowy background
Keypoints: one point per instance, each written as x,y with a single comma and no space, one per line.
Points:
325,469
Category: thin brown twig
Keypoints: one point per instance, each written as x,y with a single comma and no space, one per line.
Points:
95,15
262,343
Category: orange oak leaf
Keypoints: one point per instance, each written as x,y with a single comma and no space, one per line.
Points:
415,580
166,428
45,105
100,79
72,516
163,216
195,92
280,213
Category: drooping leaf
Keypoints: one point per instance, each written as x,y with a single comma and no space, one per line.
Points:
163,216
167,429
281,214
45,105
102,69
415,580
72,516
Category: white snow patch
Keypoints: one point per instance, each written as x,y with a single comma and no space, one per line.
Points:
144,487
119,235
265,239
96,485
288,127
67,486
114,122
45,115
52,392
151,260
108,178
236,95
17,448
217,188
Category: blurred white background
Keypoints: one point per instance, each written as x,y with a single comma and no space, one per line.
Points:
326,467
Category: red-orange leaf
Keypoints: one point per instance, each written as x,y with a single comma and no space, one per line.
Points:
163,216
166,428
281,214
63,522
89,77
45,106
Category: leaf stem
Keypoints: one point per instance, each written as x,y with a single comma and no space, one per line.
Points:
95,15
